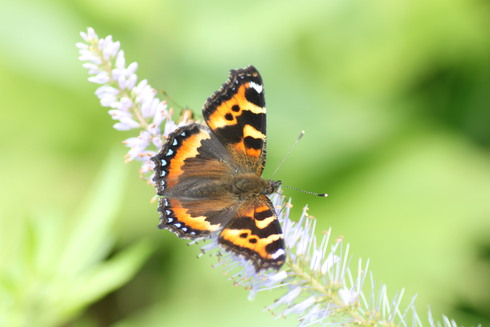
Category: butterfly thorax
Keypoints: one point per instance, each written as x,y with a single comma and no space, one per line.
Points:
250,185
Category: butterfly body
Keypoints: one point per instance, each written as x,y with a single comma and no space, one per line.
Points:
210,180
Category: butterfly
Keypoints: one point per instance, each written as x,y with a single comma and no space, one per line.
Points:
209,176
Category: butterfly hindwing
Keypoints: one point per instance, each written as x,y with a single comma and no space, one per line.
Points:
236,114
194,218
255,234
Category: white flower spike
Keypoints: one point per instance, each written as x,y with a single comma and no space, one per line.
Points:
319,286
133,105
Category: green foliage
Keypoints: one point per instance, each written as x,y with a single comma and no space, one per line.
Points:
393,96
54,267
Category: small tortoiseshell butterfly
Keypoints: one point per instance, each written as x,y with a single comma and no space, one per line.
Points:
209,176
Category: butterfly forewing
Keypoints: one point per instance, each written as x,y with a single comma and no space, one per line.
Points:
236,114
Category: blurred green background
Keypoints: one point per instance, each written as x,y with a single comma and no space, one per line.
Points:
394,97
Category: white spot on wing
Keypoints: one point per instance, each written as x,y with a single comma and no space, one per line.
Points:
256,87
170,152
278,253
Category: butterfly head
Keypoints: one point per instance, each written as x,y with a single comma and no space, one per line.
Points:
271,187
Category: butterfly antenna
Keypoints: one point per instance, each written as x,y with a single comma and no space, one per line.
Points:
171,100
289,151
323,195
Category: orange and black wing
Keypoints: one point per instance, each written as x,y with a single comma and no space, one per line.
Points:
194,218
255,234
236,115
188,172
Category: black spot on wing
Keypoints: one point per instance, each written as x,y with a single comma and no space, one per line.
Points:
257,121
255,97
261,215
253,143
274,246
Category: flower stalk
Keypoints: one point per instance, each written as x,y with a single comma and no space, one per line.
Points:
318,285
